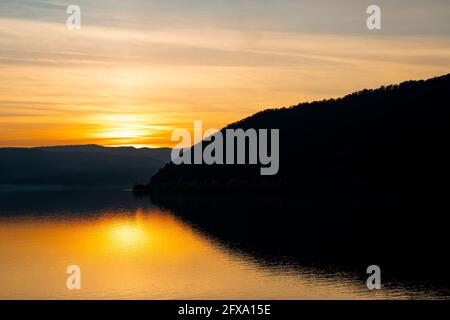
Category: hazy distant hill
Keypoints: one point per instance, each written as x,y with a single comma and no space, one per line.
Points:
161,154
393,139
86,165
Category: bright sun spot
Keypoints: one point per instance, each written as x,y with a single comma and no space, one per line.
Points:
128,235
126,129
121,133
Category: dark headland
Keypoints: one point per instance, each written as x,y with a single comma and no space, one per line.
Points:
392,140
362,180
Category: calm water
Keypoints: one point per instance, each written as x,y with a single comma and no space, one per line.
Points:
128,248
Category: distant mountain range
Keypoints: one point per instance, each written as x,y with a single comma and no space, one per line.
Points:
83,165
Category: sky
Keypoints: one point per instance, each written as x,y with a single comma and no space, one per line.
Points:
137,70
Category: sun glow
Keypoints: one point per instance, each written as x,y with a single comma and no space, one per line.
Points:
127,129
128,234
122,126
121,133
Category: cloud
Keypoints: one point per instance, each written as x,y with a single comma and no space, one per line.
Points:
58,78
400,17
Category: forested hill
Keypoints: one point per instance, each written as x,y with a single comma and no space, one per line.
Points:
393,139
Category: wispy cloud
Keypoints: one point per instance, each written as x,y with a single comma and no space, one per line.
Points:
58,84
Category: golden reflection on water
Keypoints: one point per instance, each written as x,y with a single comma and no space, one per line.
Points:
143,255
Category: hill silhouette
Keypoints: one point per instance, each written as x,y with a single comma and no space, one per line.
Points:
85,165
362,181
391,139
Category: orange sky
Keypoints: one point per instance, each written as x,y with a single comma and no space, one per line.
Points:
121,85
